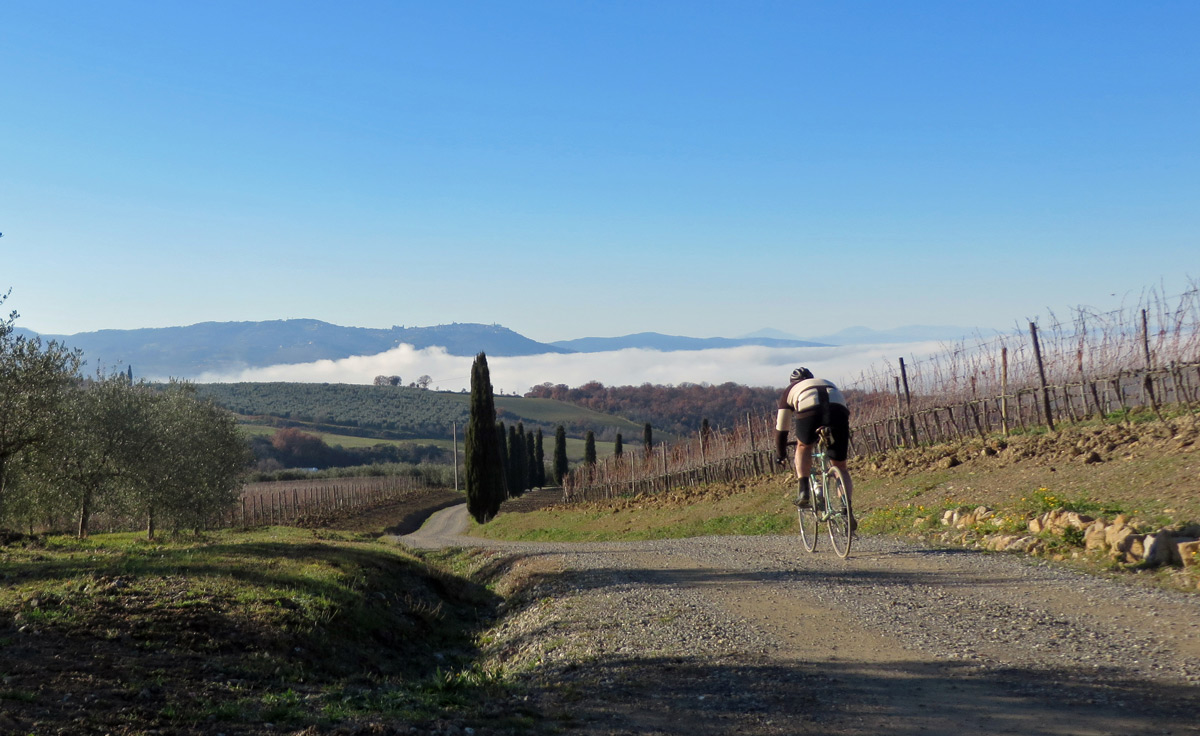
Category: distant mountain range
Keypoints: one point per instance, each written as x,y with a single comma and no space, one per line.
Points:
868,336
220,347
224,347
666,343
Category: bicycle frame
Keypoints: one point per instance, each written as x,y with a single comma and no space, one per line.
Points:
829,500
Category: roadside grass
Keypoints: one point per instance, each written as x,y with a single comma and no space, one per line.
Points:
1134,467
275,625
754,508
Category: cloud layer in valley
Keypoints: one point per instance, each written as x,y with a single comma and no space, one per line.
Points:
750,365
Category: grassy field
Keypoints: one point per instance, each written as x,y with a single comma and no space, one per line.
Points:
291,627
346,440
575,446
397,413
551,412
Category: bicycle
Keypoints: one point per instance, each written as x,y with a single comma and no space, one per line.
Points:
828,501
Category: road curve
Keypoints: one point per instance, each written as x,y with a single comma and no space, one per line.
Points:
752,635
442,529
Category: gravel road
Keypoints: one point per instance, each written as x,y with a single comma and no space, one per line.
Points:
752,635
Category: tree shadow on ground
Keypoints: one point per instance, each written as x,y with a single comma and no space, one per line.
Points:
674,696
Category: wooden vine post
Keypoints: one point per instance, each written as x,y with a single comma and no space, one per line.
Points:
666,479
1037,354
912,423
1148,382
1004,390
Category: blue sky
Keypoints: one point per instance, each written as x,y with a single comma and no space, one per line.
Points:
572,169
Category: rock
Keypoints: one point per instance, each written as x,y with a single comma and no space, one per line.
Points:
1121,542
1189,552
1094,539
1190,530
1000,542
1075,520
1117,532
1092,457
958,518
1037,524
1136,547
1157,549
950,461
1024,544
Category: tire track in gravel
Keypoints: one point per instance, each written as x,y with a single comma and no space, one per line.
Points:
753,635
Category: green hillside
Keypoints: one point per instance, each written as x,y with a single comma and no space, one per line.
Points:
575,445
398,412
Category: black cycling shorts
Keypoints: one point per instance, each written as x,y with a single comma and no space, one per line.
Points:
809,421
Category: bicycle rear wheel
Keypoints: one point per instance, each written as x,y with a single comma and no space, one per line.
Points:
839,513
810,522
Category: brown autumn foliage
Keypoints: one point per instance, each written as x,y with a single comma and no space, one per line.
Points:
677,409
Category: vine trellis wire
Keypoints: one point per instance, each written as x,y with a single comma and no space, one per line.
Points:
1095,364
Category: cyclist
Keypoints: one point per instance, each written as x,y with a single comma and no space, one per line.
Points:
810,403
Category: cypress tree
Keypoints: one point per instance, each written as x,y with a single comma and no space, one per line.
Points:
483,463
505,465
560,455
539,466
618,447
515,455
525,442
589,448
647,439
531,462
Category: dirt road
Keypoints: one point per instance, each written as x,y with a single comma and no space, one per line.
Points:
753,635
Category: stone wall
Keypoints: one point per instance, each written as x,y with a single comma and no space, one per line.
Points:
1060,533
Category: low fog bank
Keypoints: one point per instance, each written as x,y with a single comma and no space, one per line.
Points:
749,365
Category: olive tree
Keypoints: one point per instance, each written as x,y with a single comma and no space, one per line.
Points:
35,382
200,457
106,444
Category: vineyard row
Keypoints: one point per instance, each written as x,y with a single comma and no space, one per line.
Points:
1149,366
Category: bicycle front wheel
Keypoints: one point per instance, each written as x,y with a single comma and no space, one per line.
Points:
839,513
809,521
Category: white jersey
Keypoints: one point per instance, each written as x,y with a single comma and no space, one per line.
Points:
804,395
